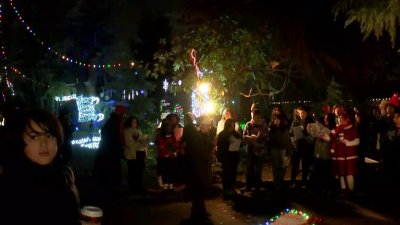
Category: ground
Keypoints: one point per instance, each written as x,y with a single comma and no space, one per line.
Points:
169,208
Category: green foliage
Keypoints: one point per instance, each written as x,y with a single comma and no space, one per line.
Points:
374,16
334,93
231,58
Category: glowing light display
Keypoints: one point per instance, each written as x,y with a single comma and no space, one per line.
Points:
65,98
165,85
87,142
86,109
200,94
293,216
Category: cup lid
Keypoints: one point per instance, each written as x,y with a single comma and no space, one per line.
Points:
92,211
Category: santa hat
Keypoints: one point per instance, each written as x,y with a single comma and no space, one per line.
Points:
120,109
394,100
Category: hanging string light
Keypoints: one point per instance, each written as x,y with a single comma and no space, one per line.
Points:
60,55
294,216
3,51
4,78
200,94
23,76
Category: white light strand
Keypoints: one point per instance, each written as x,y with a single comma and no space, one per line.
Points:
86,109
87,142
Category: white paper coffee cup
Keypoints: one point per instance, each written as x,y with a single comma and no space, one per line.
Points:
91,215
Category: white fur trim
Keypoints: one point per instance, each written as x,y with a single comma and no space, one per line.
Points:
353,142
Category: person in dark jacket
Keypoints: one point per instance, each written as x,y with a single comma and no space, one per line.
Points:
280,148
198,145
107,164
36,189
68,130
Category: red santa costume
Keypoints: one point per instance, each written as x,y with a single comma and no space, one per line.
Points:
344,150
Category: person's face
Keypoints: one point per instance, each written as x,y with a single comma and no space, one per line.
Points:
227,115
277,122
134,123
41,147
257,118
276,111
302,114
169,128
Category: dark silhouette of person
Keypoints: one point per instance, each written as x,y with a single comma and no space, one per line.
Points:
107,165
198,145
68,130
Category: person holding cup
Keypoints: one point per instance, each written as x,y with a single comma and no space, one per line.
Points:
344,152
36,188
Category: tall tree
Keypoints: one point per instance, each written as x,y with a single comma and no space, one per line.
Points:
375,17
233,59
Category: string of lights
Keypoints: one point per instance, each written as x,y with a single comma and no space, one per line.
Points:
23,76
60,55
293,216
4,78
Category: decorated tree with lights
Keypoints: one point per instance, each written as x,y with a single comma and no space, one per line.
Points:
134,90
231,58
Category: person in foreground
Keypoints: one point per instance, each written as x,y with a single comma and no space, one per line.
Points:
198,145
36,187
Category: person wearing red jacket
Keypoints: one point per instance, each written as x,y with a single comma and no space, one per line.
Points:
344,152
167,150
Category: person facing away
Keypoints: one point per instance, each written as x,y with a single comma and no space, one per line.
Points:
198,144
107,165
68,130
36,187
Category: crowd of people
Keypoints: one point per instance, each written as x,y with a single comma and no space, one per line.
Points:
324,150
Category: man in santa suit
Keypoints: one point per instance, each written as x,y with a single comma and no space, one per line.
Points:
344,152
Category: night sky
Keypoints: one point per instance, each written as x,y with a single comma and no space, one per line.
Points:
304,31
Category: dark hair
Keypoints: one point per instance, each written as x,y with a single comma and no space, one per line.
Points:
165,125
128,122
173,115
45,119
397,110
228,123
227,109
256,112
189,118
331,120
303,108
